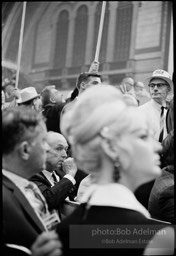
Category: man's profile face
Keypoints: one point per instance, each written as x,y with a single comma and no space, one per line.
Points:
56,95
58,150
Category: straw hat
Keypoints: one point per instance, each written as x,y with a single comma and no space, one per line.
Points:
27,94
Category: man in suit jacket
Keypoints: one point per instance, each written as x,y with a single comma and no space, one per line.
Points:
64,170
24,154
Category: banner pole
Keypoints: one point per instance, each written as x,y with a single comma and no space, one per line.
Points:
20,43
100,31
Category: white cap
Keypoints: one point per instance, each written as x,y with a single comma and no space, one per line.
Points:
159,73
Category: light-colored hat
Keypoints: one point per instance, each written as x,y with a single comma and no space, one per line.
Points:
27,94
159,73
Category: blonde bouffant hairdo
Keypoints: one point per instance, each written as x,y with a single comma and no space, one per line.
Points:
95,109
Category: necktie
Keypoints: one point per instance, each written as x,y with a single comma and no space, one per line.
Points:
161,124
54,178
41,200
48,219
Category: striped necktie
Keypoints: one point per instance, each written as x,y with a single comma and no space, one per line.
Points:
162,120
48,218
54,178
35,190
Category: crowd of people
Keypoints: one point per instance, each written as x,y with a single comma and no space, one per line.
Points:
106,149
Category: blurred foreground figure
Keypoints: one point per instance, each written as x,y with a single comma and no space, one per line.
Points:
112,141
25,211
46,244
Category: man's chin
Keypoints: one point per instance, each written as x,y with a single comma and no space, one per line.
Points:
156,97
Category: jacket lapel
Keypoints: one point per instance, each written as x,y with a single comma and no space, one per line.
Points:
24,203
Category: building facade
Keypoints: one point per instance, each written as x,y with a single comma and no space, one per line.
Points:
60,39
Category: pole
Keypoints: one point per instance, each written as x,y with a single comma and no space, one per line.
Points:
100,31
20,43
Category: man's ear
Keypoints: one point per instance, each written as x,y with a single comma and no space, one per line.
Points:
24,150
83,85
52,100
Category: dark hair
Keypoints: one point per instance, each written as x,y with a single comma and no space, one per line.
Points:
83,77
74,94
45,95
18,124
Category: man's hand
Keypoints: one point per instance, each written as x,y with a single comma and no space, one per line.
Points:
94,67
47,244
69,166
16,93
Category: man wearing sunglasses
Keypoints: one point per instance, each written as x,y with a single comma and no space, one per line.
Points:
160,85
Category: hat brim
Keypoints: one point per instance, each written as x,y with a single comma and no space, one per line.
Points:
169,81
19,101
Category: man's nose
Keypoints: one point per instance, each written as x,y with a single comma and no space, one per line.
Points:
64,153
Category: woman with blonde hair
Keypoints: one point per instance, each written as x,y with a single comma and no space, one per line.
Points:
112,142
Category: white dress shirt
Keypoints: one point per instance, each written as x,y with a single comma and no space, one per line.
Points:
152,110
49,177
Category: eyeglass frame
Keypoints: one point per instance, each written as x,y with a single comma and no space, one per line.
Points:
159,85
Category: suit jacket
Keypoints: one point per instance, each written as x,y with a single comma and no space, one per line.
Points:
21,225
161,200
54,195
52,113
142,193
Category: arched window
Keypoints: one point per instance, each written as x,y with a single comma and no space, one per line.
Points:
103,48
79,46
12,49
42,40
61,40
123,31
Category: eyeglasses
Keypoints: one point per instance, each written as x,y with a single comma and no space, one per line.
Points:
159,85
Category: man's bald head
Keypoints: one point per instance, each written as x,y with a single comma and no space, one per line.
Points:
128,80
58,150
55,137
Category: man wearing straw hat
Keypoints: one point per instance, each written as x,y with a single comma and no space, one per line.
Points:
29,97
160,84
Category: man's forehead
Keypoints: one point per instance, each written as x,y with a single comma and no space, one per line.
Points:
54,138
94,78
61,141
157,79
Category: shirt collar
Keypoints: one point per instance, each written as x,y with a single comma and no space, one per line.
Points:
115,195
47,174
157,105
16,179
